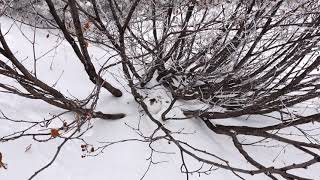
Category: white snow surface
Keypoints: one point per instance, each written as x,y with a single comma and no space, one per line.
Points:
124,161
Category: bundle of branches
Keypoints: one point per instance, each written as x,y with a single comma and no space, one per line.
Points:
249,59
30,86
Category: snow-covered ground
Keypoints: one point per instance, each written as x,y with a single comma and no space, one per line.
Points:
123,161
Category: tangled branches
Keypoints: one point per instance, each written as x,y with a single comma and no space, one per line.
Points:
237,59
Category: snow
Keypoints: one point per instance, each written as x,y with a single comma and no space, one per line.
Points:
154,104
120,161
